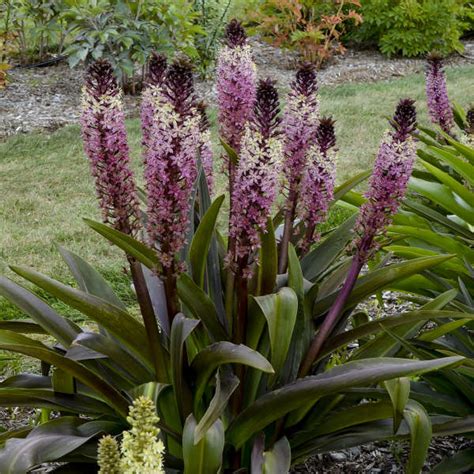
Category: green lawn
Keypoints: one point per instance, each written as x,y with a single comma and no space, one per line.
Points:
46,190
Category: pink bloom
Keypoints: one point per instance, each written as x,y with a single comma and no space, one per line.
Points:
317,188
300,122
152,87
256,180
236,84
437,95
105,143
389,180
170,163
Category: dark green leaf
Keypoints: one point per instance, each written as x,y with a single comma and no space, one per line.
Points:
200,244
201,306
276,404
420,436
225,387
63,330
128,244
181,328
10,341
116,321
204,457
278,459
221,353
280,311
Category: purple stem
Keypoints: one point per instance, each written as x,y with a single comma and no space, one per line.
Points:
332,316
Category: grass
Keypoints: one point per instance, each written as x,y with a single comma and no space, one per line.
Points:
46,188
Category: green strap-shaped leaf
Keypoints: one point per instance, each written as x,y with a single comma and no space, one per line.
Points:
49,442
199,247
380,279
466,151
325,254
42,398
181,328
221,353
350,184
201,306
442,195
116,321
128,244
278,459
385,345
304,328
277,403
89,279
378,325
22,326
343,419
11,341
431,215
466,170
204,457
231,153
280,310
101,344
420,435
60,328
459,188
399,390
443,242
225,387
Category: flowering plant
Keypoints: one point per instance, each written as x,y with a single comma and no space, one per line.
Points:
245,365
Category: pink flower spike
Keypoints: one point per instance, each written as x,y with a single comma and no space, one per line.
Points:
236,84
317,189
170,163
389,181
437,95
256,180
105,143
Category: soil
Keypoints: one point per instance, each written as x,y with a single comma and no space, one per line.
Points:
48,98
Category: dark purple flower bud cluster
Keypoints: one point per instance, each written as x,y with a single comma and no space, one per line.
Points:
156,69
266,112
389,181
234,34
437,95
470,121
404,120
105,143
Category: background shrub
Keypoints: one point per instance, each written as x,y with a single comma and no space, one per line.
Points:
415,27
314,27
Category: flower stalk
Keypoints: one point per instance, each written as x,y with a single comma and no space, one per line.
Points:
170,172
300,122
105,143
439,106
387,188
236,89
